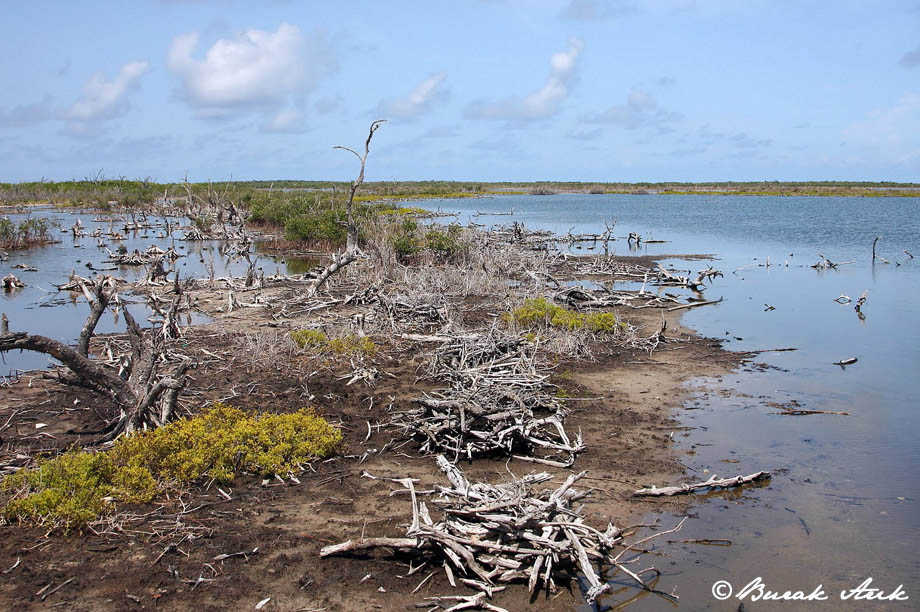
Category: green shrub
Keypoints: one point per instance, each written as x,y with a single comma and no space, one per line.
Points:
225,440
405,240
309,338
30,231
74,488
445,243
403,211
329,224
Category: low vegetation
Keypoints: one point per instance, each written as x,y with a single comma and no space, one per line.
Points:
77,487
26,233
318,342
408,238
144,193
541,313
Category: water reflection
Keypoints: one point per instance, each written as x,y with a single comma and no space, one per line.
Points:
40,308
843,500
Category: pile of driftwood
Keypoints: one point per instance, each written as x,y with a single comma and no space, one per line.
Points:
496,404
668,277
582,297
504,533
138,258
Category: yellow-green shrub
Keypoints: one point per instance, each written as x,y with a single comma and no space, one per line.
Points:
69,490
543,312
78,486
319,342
309,338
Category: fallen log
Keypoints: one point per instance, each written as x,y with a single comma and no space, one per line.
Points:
694,305
713,483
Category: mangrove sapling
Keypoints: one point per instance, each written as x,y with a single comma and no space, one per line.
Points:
144,396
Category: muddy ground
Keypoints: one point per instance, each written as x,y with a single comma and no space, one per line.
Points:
163,556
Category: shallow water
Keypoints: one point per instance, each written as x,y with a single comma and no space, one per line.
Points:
843,503
41,308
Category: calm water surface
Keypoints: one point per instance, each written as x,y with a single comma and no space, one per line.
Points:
41,308
843,504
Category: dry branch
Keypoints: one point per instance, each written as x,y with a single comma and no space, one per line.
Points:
714,483
144,396
351,245
496,404
507,533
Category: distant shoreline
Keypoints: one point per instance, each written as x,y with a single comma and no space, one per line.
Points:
137,194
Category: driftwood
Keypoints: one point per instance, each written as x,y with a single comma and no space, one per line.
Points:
665,277
496,404
874,256
508,533
10,282
713,483
694,305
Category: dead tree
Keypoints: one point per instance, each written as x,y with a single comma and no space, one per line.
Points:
874,256
143,395
351,252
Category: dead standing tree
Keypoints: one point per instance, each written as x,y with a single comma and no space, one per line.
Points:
143,396
351,252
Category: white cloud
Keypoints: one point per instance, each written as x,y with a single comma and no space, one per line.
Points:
640,110
103,99
253,68
892,134
287,120
419,101
544,102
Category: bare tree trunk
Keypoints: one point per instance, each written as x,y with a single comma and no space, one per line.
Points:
143,395
351,242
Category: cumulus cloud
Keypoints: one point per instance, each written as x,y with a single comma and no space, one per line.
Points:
640,110
103,99
543,103
419,101
597,10
911,59
254,68
707,140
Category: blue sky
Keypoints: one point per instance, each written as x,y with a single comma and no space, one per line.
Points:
580,90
